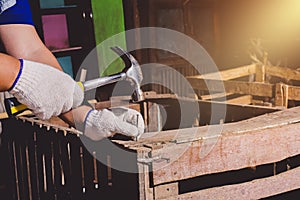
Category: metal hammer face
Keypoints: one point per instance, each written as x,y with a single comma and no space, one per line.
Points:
133,72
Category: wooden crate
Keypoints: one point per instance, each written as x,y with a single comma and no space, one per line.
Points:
280,92
254,158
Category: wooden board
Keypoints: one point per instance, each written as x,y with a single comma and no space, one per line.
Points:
233,150
234,112
3,115
283,72
229,74
256,189
238,87
276,137
245,100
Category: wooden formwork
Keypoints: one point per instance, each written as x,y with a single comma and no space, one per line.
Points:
250,152
279,92
251,158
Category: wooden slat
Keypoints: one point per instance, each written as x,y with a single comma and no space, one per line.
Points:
260,73
276,137
228,74
109,104
245,100
281,95
294,93
283,72
238,87
256,189
265,121
145,191
3,115
231,152
215,96
154,95
166,191
154,118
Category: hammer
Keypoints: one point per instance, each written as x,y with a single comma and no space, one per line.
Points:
132,73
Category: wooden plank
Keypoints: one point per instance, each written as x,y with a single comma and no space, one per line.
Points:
166,191
154,118
255,189
109,104
294,93
260,73
238,87
261,69
283,72
215,96
245,100
234,112
228,74
154,95
230,152
274,119
3,115
145,191
49,125
281,95
275,135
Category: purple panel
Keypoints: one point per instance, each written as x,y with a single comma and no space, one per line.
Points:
55,31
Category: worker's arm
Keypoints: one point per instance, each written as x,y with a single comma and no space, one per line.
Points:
9,69
22,41
44,89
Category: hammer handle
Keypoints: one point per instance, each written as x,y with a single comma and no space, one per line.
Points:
14,107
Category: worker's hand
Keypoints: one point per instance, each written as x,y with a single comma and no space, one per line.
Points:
105,123
46,90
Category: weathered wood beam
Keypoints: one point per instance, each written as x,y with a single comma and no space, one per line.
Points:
3,115
255,189
229,74
145,191
237,87
283,72
215,96
231,152
275,137
246,100
284,93
260,73
271,120
166,191
294,93
281,95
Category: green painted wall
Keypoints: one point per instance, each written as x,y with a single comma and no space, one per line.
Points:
108,18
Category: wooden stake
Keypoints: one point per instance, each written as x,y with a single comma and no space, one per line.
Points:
281,95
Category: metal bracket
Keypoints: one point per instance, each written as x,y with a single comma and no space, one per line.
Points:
148,160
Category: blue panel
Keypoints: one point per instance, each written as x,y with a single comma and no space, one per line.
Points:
66,64
52,3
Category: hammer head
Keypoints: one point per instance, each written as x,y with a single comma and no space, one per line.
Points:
133,72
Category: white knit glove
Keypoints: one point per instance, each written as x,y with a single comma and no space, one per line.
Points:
46,90
105,123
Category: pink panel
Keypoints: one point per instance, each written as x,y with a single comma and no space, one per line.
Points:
55,31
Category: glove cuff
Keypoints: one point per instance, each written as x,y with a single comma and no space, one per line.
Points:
18,76
89,119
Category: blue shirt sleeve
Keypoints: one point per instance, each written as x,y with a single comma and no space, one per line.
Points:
18,14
